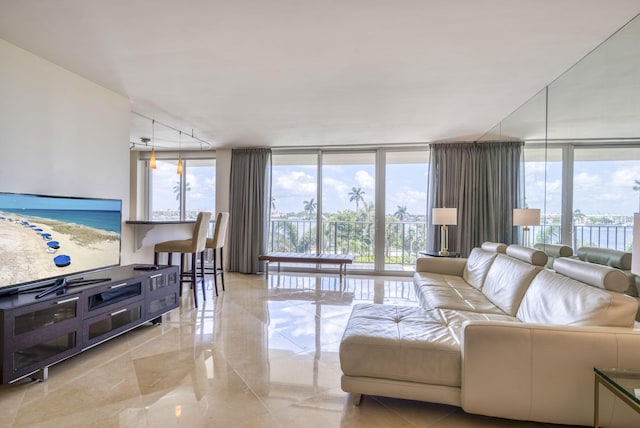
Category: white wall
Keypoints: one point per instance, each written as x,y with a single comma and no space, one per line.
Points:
62,134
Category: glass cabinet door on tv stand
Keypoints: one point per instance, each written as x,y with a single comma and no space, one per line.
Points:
40,334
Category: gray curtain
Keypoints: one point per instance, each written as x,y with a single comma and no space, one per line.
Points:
250,206
481,180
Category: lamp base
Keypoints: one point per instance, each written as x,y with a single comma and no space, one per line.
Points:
444,240
526,236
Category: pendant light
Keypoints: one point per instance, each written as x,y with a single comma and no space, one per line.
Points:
179,171
152,160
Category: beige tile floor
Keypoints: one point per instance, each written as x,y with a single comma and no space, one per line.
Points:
262,354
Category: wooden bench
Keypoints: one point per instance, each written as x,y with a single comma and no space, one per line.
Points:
342,260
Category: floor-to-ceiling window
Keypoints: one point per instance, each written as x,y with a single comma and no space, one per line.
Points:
543,177
174,196
199,187
606,193
405,207
348,205
294,202
591,193
165,191
330,202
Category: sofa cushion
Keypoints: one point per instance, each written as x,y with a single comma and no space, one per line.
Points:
605,256
554,251
494,247
431,279
478,264
592,274
444,265
556,299
526,254
507,282
461,299
400,343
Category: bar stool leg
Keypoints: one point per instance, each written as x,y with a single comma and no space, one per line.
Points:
222,267
215,270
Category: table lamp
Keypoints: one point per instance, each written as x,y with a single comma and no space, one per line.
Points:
443,217
526,217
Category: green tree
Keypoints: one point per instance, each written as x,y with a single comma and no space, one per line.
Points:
578,216
401,213
176,190
310,207
356,195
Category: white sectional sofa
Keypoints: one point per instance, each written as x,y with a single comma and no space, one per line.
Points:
498,334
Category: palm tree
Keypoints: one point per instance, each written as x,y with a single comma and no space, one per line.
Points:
176,189
401,213
310,207
357,195
578,216
273,203
637,189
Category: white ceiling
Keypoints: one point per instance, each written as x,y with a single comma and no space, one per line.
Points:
316,72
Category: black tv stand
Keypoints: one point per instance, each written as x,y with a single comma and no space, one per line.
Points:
36,333
60,286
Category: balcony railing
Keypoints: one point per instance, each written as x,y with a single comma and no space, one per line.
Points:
403,239
617,237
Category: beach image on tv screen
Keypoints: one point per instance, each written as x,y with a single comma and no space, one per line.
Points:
43,237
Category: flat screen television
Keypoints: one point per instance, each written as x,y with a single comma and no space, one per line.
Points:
46,238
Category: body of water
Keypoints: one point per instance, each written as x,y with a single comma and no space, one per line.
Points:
104,220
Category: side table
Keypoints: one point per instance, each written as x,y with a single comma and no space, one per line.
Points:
625,384
452,254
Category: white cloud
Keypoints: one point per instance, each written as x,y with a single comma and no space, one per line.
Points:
339,187
626,176
414,200
293,183
364,179
586,181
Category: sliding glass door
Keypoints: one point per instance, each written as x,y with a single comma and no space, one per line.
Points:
405,207
294,203
368,203
348,206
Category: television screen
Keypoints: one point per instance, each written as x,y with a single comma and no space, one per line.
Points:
46,237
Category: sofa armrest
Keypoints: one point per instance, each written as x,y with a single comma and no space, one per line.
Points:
442,265
543,373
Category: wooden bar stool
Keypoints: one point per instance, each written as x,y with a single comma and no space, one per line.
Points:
194,246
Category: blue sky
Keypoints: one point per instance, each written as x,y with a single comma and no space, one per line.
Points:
202,181
601,186
405,185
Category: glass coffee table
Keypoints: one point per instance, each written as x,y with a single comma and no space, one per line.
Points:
625,384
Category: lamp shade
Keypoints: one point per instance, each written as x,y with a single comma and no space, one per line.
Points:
444,216
526,217
635,254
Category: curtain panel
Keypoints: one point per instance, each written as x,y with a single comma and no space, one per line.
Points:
250,208
481,180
